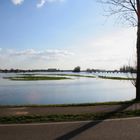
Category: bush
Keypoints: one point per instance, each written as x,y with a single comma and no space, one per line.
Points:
76,69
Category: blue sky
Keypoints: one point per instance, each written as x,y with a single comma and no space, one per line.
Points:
41,34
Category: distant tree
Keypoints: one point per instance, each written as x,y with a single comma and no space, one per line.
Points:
128,69
89,70
76,69
129,10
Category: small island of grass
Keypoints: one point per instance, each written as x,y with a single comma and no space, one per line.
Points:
116,78
35,78
74,75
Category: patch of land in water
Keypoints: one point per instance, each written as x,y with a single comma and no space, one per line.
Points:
116,78
88,76
35,78
75,75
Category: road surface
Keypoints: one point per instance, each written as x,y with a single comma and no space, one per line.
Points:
118,129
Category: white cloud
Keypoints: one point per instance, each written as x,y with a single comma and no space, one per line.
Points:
39,4
27,52
17,2
107,51
42,2
34,59
45,54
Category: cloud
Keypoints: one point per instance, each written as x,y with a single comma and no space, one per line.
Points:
107,51
40,4
17,2
27,52
45,54
34,59
43,2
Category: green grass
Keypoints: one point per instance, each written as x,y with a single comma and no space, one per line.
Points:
73,105
31,77
27,74
116,78
71,117
35,78
68,117
75,75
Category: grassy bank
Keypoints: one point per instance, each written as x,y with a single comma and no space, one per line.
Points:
119,113
73,105
69,117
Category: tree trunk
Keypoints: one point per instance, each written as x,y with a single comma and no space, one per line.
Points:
138,52
138,64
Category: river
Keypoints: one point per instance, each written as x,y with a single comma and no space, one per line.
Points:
68,91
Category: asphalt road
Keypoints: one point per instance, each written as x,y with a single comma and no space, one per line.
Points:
118,129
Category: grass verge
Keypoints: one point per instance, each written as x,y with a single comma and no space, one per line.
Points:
73,105
69,117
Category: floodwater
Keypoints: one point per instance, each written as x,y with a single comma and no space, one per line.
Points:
70,91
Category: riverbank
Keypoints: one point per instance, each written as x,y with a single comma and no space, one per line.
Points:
29,114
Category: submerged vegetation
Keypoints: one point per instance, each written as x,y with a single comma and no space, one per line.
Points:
115,78
59,76
35,78
74,75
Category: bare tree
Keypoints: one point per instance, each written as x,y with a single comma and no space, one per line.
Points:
129,10
133,71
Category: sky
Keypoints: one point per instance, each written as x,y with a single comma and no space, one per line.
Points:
62,34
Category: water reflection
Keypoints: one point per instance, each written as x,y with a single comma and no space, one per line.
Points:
77,90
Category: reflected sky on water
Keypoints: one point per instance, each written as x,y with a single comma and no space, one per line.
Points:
75,90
